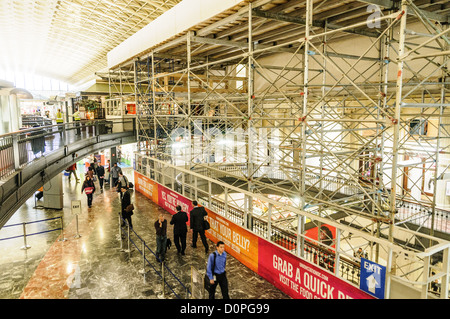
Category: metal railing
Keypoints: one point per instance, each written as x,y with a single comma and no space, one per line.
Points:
26,234
412,212
18,149
321,256
317,254
164,272
198,183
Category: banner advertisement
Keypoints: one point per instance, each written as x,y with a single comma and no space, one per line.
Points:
294,276
146,186
327,235
240,243
300,279
169,200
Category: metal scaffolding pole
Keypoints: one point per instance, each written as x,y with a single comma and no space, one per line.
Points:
396,122
338,147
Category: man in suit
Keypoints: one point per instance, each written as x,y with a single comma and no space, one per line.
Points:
179,221
126,200
198,215
101,176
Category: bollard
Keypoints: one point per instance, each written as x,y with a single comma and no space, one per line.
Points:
77,235
25,246
142,271
128,249
62,230
120,233
163,280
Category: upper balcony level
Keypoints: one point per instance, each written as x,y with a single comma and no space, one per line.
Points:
31,157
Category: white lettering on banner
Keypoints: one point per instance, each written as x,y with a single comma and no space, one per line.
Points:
283,266
145,186
241,241
225,231
313,271
309,284
315,285
171,201
222,221
220,229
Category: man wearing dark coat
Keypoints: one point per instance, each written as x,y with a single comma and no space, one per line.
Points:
198,215
179,221
126,200
101,175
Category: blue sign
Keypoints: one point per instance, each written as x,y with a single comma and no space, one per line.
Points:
373,278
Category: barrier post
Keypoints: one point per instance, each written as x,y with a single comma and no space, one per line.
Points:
142,271
120,233
163,279
77,235
128,248
25,246
62,229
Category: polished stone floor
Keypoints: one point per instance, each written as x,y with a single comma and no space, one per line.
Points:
98,265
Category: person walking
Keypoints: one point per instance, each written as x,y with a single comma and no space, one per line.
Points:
115,170
77,120
38,142
89,189
127,209
90,173
161,237
72,170
216,271
108,170
198,215
179,221
122,182
59,120
101,176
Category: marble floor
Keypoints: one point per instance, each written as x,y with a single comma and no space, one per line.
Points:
60,265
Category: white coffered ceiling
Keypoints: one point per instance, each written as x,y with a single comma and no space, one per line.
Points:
69,39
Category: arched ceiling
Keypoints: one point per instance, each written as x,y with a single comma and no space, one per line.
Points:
69,39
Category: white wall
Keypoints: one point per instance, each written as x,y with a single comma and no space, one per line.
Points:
179,19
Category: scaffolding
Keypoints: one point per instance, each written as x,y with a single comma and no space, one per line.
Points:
294,115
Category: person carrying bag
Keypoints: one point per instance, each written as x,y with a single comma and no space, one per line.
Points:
89,189
127,206
215,271
198,215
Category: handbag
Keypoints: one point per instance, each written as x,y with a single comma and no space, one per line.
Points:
89,190
206,225
129,208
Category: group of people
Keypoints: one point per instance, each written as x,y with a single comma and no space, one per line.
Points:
179,222
96,172
216,261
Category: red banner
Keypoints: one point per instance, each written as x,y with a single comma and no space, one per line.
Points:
294,276
169,200
239,242
300,279
146,186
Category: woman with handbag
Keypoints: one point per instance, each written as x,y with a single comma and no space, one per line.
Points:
89,189
127,206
